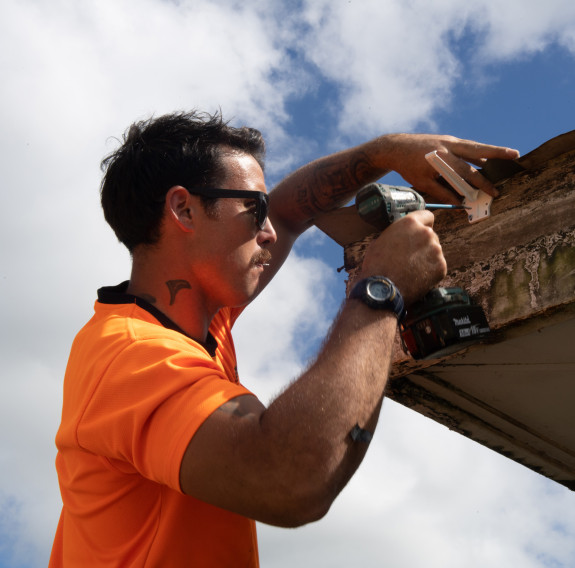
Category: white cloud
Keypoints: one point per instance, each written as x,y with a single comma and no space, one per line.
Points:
517,28
30,395
390,59
394,62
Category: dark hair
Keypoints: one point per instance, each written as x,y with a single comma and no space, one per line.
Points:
182,148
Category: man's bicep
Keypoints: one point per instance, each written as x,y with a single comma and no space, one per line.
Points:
217,456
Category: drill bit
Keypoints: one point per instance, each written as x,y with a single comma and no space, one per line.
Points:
444,206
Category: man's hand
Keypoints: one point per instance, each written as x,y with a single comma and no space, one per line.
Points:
405,154
409,253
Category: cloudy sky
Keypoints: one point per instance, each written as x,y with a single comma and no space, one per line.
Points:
314,76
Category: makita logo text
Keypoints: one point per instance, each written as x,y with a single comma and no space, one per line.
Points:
462,321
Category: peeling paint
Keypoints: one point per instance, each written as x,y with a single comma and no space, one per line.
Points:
517,282
532,266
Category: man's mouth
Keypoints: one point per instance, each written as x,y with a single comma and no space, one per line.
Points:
262,258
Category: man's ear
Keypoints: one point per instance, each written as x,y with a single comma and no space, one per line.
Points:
181,208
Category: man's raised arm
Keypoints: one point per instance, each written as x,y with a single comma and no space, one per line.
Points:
332,181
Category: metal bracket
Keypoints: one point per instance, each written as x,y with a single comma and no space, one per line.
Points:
477,202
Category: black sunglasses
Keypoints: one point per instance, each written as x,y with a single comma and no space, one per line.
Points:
262,199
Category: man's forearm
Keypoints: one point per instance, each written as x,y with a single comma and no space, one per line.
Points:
311,422
322,185
342,388
329,182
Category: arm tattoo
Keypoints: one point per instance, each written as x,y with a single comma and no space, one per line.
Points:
334,182
233,408
174,286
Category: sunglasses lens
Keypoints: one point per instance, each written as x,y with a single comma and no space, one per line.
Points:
262,199
262,212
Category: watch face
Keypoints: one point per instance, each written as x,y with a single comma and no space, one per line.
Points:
379,290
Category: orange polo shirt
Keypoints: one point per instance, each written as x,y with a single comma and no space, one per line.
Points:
136,390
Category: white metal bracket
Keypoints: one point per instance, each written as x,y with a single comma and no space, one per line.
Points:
477,202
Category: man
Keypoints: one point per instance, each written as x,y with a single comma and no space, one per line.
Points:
164,458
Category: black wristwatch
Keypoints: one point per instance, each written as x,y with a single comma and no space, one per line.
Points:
379,293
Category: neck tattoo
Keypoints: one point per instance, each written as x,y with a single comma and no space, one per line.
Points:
174,286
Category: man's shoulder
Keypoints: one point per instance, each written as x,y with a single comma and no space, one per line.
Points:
119,327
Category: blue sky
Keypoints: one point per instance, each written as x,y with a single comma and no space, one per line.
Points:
315,77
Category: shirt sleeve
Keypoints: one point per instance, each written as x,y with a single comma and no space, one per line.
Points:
153,397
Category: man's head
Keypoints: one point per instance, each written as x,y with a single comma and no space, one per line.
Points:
177,149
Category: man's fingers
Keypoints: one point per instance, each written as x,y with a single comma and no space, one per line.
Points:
463,153
423,216
480,182
474,178
471,151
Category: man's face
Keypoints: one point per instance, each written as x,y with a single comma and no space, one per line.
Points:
231,247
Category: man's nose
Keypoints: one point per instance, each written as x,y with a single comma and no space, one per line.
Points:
267,234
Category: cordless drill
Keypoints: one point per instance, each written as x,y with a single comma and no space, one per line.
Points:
444,320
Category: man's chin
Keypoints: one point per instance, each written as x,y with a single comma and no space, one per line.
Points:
246,299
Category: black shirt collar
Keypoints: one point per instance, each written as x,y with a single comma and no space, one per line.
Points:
118,295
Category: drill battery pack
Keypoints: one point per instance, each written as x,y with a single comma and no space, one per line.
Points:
443,322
